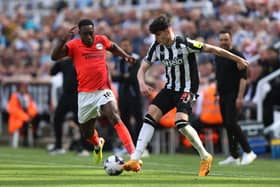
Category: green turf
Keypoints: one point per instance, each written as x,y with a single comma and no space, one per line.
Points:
34,167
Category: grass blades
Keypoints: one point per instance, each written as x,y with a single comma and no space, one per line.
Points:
34,167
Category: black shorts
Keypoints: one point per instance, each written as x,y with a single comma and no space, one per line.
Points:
168,99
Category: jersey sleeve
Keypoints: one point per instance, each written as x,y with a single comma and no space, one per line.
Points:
194,46
106,42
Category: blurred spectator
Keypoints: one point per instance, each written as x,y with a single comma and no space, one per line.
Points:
208,109
250,97
206,73
130,99
67,102
274,10
22,110
83,3
188,29
206,78
270,62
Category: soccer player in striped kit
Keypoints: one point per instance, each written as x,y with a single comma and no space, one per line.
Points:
178,56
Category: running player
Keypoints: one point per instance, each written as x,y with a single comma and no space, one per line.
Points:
95,97
178,56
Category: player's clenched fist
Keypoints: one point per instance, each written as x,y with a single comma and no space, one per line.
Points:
70,34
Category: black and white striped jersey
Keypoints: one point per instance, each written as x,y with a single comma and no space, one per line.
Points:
180,63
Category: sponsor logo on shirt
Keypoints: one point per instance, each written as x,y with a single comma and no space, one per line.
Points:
173,62
94,54
99,46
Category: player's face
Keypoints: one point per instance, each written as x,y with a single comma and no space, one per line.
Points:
163,37
225,40
87,34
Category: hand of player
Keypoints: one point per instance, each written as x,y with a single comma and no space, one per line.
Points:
145,89
242,64
70,34
130,59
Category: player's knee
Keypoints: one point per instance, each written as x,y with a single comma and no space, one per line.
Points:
181,123
148,119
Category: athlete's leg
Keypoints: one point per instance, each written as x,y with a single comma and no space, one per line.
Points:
91,135
160,105
110,111
184,108
184,127
147,130
145,136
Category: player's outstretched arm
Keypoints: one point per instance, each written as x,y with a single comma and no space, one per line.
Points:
60,49
241,63
118,51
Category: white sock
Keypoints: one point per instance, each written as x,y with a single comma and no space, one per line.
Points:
189,132
144,138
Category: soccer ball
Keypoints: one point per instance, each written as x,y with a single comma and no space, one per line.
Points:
113,165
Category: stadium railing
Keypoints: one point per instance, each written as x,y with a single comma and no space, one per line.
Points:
261,91
39,89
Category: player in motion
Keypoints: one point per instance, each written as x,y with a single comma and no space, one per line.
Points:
95,97
177,54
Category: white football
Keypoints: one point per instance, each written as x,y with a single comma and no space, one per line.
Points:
113,165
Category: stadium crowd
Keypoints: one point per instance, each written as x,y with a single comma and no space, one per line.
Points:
28,32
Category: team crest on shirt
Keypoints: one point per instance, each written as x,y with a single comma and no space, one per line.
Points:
99,46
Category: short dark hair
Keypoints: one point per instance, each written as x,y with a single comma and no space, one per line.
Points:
225,31
159,24
85,22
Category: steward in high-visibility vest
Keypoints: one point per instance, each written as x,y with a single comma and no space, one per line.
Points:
210,109
21,108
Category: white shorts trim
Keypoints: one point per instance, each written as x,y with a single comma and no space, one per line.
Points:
89,103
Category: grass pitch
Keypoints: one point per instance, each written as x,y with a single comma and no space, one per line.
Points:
34,167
